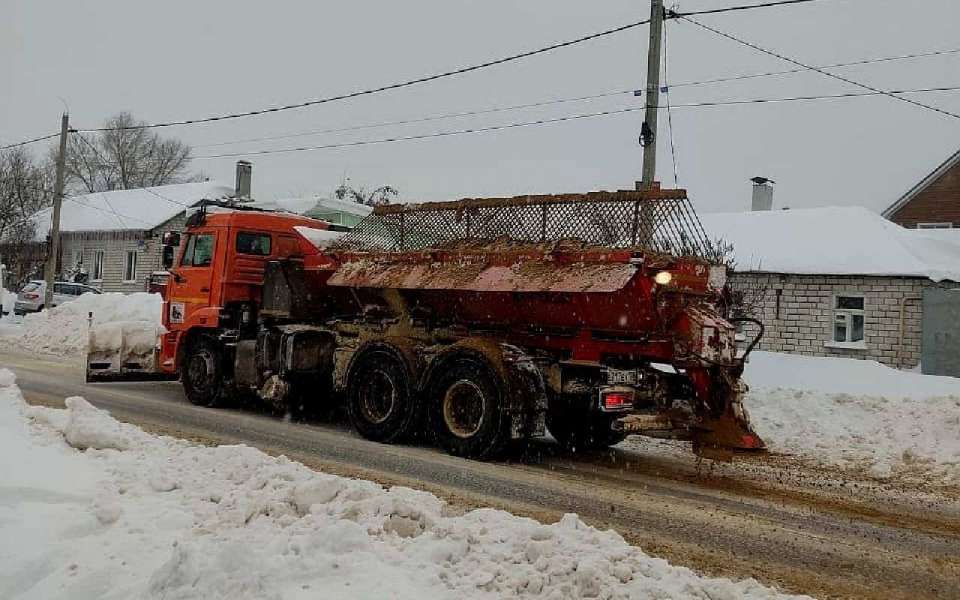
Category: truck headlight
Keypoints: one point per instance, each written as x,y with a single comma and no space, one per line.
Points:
663,277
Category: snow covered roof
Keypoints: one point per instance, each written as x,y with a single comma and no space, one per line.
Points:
120,210
847,240
346,206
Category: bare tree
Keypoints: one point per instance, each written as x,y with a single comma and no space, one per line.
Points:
376,197
25,188
125,156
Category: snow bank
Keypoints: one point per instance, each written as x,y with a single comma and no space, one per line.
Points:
165,519
857,413
64,330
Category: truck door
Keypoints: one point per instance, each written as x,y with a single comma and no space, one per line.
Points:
191,281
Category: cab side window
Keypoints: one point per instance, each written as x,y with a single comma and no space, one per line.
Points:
257,244
199,251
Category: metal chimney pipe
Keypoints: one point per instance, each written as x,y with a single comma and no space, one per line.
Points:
762,194
244,174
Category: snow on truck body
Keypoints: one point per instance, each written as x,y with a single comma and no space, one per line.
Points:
480,321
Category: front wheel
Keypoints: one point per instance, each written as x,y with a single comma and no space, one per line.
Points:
203,373
467,413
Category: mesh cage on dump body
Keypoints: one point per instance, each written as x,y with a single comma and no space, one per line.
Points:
659,220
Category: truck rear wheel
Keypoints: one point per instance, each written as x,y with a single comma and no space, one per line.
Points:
203,373
579,430
381,405
466,409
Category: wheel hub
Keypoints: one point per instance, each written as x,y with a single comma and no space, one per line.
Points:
378,397
464,407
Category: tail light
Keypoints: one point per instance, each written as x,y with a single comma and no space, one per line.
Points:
31,296
616,399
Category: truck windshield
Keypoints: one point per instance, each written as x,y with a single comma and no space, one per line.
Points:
199,252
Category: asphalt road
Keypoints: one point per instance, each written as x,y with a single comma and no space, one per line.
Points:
774,520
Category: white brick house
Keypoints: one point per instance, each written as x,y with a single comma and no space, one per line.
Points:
115,236
836,281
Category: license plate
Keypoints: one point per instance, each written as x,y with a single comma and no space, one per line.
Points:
616,376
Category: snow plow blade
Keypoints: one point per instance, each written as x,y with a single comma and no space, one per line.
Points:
723,437
124,351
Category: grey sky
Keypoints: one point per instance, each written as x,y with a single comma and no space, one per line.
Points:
180,59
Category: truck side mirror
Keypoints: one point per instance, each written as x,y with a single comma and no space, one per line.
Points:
167,257
171,238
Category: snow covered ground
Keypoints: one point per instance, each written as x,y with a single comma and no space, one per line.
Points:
857,414
63,330
92,508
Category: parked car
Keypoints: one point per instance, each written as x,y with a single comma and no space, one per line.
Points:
30,298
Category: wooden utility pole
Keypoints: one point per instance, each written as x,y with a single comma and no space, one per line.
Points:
649,134
54,249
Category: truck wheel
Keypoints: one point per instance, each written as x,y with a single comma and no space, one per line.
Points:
466,410
203,373
579,431
379,400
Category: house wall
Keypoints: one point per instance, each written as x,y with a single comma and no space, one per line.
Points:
938,203
116,244
804,324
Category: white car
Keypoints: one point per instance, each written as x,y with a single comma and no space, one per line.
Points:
30,298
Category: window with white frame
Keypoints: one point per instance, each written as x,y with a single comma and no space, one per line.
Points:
130,267
78,257
98,265
848,319
944,225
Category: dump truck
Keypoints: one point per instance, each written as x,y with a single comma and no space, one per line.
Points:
476,323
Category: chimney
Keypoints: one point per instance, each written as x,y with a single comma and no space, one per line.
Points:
244,172
762,194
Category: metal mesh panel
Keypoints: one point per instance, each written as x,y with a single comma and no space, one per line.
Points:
662,221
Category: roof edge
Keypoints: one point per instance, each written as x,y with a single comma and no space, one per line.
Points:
923,184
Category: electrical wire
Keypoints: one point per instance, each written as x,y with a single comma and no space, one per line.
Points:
100,156
25,142
817,69
388,87
666,85
832,66
564,119
675,15
439,117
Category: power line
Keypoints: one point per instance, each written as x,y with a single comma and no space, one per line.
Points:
832,66
565,119
439,117
675,15
666,83
817,69
25,142
384,88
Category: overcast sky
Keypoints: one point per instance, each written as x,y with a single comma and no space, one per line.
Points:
181,59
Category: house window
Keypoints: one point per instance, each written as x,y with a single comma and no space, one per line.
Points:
78,257
130,267
848,319
98,265
945,225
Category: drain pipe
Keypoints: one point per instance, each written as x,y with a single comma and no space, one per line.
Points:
903,314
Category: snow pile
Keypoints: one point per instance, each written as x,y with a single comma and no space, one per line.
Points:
165,519
64,330
857,413
834,240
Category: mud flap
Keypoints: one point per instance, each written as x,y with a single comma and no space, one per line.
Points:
124,351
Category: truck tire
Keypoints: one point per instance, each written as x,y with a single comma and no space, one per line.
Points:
579,431
380,401
203,373
466,409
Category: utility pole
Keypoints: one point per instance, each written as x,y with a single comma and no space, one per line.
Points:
54,249
648,135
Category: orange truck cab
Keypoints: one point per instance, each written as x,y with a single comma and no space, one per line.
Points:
216,282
